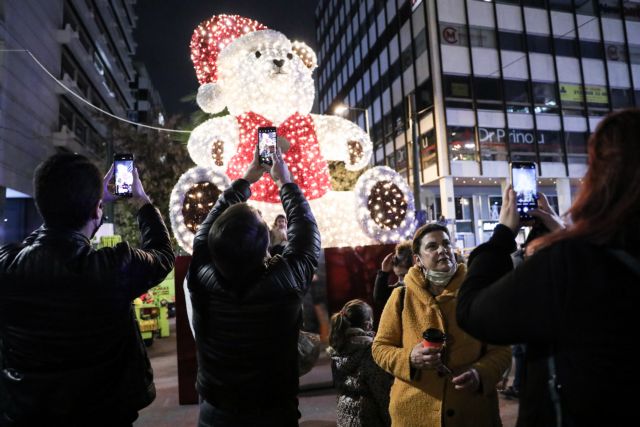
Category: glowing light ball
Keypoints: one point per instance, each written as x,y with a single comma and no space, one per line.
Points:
264,79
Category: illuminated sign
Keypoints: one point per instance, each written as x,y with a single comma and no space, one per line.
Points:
574,93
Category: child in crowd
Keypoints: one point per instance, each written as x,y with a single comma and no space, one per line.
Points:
363,387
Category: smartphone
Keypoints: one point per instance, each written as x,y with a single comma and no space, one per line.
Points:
123,167
266,144
524,180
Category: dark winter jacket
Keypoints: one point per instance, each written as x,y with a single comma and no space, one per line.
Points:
363,387
247,333
70,346
573,300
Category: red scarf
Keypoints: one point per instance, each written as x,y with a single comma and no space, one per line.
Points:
307,166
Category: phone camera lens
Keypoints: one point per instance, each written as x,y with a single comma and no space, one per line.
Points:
258,54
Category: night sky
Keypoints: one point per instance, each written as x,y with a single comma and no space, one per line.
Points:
164,30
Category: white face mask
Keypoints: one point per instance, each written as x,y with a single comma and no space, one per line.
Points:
439,278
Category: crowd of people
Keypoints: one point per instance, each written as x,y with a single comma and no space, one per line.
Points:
441,346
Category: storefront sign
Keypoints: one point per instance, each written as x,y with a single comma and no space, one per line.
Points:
516,136
574,93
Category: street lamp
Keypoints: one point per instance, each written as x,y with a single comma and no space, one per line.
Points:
341,108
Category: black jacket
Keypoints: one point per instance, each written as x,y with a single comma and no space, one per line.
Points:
573,300
70,346
247,333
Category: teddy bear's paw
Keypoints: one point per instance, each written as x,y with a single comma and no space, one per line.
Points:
385,206
356,152
191,200
211,144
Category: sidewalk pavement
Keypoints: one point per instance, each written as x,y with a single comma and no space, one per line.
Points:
317,397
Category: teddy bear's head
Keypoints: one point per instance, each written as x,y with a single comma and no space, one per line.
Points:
243,66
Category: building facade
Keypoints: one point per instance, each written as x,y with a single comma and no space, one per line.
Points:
491,82
88,45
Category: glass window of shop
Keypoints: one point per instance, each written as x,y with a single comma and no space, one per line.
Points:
544,97
488,93
576,143
464,214
495,204
522,143
550,145
457,91
461,143
428,149
516,96
493,144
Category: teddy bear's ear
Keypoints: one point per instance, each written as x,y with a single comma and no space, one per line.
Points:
209,98
306,54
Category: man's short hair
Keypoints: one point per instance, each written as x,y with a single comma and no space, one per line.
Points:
423,231
67,188
238,241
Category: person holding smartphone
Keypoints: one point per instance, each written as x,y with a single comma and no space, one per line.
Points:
247,304
71,353
573,302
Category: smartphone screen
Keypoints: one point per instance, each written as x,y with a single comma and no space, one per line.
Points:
266,144
123,166
524,180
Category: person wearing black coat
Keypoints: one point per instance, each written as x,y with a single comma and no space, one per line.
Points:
71,354
247,306
574,301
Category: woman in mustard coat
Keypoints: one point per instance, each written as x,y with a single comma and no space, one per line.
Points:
453,386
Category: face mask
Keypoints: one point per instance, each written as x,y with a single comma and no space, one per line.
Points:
439,278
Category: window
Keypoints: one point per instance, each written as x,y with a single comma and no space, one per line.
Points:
610,8
544,97
456,87
516,96
488,93
590,49
492,144
534,3
597,99
539,44
482,37
511,41
523,144
576,146
564,5
621,98
453,34
428,149
461,143
550,146
586,7
565,47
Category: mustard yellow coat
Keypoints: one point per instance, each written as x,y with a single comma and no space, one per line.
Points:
426,399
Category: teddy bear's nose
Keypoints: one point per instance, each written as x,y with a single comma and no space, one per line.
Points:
278,62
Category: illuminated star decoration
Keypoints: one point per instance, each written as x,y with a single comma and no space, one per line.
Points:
386,205
191,200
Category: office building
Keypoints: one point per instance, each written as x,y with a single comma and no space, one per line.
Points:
89,46
493,82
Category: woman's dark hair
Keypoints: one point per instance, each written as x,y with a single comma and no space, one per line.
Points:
238,241
67,189
275,221
403,256
607,208
423,231
354,314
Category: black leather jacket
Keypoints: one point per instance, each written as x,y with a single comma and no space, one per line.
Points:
70,346
247,335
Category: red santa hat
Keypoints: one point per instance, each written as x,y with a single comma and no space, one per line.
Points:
212,36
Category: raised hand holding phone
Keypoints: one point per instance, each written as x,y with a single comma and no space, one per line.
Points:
123,165
524,181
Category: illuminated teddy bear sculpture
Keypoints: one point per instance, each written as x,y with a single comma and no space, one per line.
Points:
263,79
